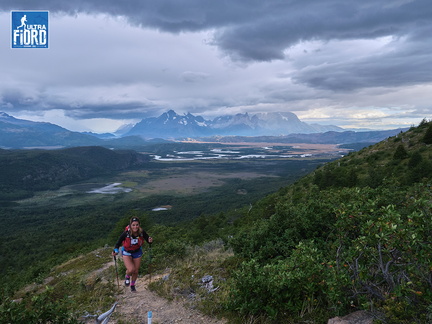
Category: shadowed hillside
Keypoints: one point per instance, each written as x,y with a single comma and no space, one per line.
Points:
25,171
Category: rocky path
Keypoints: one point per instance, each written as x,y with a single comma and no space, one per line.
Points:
133,307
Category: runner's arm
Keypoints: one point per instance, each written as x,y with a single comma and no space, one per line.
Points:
120,240
147,237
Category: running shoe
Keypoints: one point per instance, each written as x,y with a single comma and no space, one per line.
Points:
127,282
133,288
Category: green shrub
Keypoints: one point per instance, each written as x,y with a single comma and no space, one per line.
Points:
387,252
370,250
427,139
298,287
42,308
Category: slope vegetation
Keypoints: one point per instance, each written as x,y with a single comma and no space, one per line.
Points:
354,234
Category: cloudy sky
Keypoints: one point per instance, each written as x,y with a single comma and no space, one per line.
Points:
350,63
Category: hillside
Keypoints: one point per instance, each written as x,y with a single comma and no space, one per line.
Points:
353,235
96,292
25,171
329,137
18,133
24,134
403,159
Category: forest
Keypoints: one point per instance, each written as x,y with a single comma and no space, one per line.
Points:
352,234
60,223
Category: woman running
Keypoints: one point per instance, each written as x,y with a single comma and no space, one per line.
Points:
131,241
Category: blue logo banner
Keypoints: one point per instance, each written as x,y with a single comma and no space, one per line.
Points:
29,29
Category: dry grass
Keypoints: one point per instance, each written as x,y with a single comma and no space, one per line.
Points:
183,281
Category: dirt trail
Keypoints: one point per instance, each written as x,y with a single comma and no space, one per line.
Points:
133,307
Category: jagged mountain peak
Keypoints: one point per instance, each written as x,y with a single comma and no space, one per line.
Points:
170,114
288,116
4,115
170,124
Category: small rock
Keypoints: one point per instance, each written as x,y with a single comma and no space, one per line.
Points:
207,283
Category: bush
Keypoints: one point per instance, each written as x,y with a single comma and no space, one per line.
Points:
41,308
388,256
338,251
299,287
427,139
400,153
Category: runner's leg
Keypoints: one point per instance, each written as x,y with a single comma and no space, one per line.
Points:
129,264
136,263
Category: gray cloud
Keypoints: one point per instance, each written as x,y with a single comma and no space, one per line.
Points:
17,100
258,30
407,64
192,77
211,57
127,110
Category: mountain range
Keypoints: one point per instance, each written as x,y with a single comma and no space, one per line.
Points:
172,125
18,133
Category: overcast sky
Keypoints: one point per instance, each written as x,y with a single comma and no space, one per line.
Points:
350,63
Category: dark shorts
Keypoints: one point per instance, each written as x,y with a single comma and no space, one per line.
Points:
134,255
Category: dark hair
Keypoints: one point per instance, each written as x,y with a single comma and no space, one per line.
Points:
134,219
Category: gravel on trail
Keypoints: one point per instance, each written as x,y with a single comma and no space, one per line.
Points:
133,307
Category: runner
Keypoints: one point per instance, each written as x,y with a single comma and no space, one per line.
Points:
23,22
131,241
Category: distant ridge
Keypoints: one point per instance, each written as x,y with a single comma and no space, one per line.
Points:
331,137
265,127
21,134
